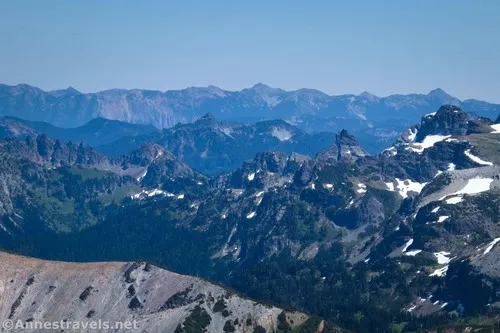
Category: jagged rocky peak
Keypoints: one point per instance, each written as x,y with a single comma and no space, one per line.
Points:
448,120
44,145
208,120
346,148
150,152
270,161
266,170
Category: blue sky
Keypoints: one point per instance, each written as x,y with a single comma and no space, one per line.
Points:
338,47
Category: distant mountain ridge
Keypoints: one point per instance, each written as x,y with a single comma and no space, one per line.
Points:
98,131
207,145
70,108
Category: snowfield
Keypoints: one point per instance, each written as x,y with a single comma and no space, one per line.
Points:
490,246
476,159
496,128
473,186
440,272
429,141
405,186
442,257
281,134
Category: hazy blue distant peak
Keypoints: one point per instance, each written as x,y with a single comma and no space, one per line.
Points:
261,88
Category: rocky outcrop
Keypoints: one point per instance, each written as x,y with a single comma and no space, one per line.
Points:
156,299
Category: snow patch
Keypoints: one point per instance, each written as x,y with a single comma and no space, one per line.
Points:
475,186
413,135
251,176
442,257
451,167
454,200
392,151
390,186
361,188
429,141
496,128
328,186
435,210
251,215
405,186
490,246
141,177
412,253
441,219
440,271
281,134
150,193
476,159
407,245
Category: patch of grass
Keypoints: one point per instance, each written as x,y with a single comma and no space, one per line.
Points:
88,173
120,193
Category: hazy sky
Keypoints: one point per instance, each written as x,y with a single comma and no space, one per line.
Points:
338,47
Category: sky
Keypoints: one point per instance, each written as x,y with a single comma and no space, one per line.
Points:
338,47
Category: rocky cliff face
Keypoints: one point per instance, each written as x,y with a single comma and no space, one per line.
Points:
159,300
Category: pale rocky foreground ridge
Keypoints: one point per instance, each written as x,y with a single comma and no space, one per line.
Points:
33,289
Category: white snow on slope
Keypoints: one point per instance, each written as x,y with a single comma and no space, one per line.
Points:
392,151
390,186
454,200
328,186
440,271
150,193
405,186
490,246
281,134
412,253
451,167
251,215
407,245
361,188
476,159
442,257
496,128
141,177
429,141
441,219
435,210
412,135
476,185
251,176
473,186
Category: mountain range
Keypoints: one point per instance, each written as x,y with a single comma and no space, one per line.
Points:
377,121
207,145
406,239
